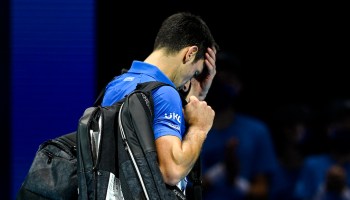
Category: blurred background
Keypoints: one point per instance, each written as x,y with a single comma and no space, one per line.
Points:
56,56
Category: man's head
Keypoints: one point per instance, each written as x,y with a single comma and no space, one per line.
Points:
182,30
184,39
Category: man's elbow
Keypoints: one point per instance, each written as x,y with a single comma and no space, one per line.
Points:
172,177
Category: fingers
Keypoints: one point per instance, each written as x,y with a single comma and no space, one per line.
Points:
199,114
210,56
211,53
201,84
193,98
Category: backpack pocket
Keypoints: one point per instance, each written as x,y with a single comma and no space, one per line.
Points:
55,168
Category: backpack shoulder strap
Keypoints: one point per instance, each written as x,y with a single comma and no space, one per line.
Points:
195,173
150,85
69,139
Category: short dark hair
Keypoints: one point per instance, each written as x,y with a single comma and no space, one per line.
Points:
184,29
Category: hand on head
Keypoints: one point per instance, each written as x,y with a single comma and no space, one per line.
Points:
201,84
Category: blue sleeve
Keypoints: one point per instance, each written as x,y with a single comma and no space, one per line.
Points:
168,118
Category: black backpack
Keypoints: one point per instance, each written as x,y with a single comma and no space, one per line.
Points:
53,173
104,165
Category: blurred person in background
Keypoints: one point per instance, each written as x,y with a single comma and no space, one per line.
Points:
326,176
238,156
291,127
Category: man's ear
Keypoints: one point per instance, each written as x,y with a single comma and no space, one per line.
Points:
191,53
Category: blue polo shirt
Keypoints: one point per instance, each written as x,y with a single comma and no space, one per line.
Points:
168,118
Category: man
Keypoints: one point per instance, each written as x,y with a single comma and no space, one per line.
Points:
184,57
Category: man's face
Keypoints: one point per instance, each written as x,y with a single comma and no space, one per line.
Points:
187,72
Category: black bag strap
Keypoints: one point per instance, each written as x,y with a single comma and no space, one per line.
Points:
98,101
178,193
146,86
195,174
68,139
149,86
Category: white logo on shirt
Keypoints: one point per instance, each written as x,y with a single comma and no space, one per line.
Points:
129,78
177,127
173,116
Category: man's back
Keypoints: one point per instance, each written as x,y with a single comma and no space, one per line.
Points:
168,118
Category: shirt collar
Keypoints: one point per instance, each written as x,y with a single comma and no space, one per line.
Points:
150,70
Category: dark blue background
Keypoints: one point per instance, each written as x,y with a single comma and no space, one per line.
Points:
52,74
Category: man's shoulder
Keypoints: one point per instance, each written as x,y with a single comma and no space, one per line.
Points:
167,92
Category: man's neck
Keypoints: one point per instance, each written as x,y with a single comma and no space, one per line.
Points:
165,63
